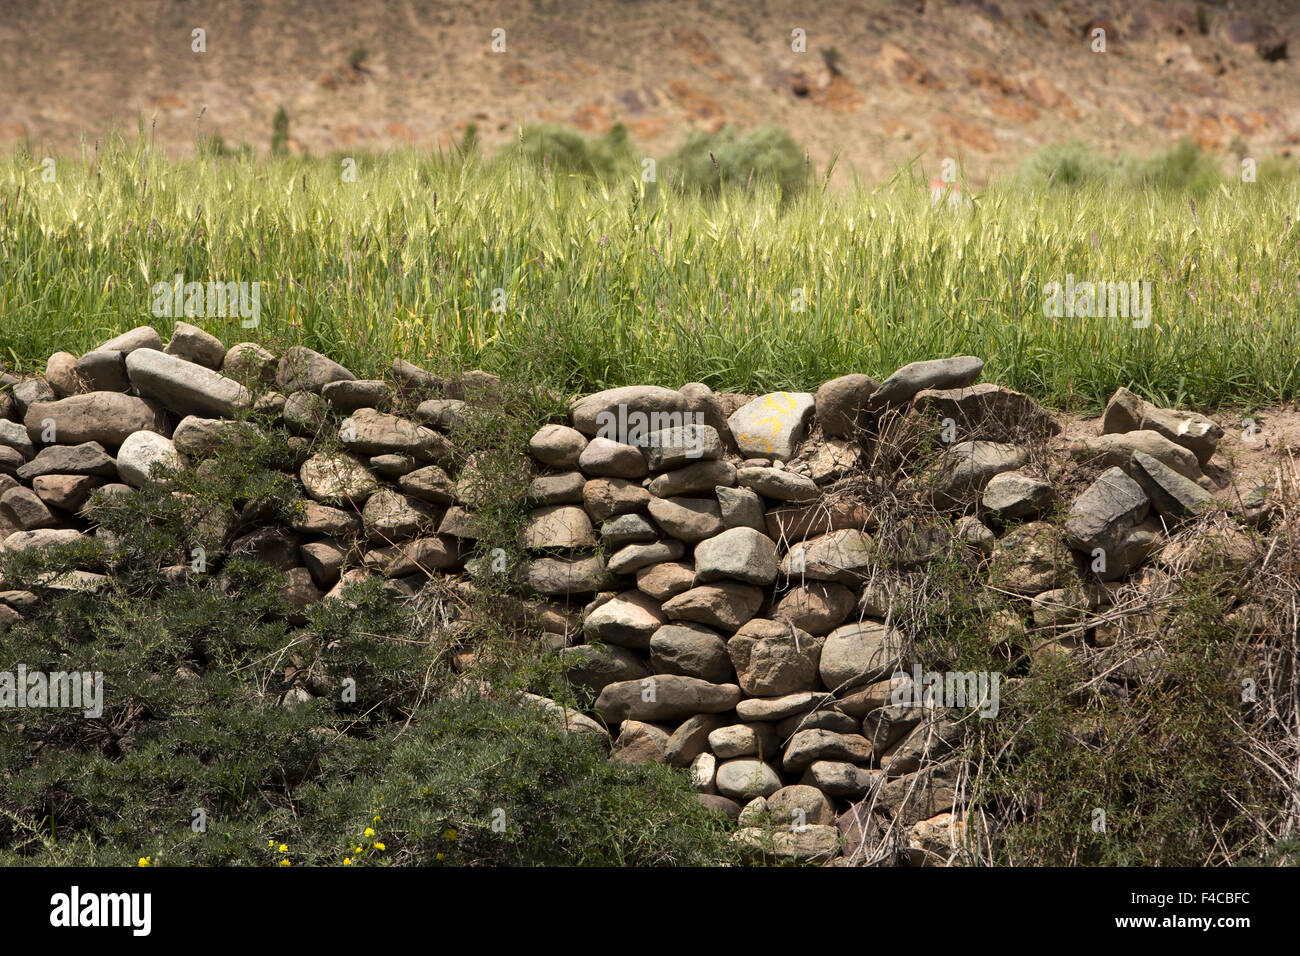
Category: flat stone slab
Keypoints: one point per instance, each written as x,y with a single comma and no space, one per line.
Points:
1170,492
1110,507
665,697
184,387
621,414
902,386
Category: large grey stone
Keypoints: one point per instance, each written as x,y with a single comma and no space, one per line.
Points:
902,386
605,458
337,479
369,432
198,438
665,697
740,554
104,371
1013,495
741,508
969,466
774,658
85,459
104,417
680,446
629,620
619,411
1127,412
15,436
1116,450
302,369
859,653
184,387
634,557
746,778
701,477
843,404
778,484
562,526
691,650
595,666
1110,507
986,411
1170,493
557,446
557,577
140,452
773,425
191,343
141,337
687,519
725,605
842,556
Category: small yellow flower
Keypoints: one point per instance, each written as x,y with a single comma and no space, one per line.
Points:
380,846
449,835
285,863
144,861
283,848
376,818
369,833
347,861
439,856
356,849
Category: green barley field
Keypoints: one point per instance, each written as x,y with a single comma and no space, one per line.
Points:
594,279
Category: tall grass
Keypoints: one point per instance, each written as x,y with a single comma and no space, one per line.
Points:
620,282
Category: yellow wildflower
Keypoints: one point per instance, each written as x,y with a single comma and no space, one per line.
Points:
285,863
380,846
144,861
369,833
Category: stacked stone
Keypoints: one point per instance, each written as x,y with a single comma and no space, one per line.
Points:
384,505
730,628
740,608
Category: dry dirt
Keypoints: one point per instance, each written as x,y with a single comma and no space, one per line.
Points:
984,81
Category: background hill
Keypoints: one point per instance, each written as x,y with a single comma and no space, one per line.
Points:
986,81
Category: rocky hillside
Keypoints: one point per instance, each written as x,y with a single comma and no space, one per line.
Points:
877,81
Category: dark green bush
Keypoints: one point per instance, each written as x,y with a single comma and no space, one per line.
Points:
203,713
567,151
708,162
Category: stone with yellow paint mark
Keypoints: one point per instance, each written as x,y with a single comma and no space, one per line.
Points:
772,426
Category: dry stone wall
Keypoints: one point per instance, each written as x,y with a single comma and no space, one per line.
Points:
719,573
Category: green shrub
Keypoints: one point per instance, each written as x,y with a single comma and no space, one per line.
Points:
568,152
280,133
709,162
201,714
1185,168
